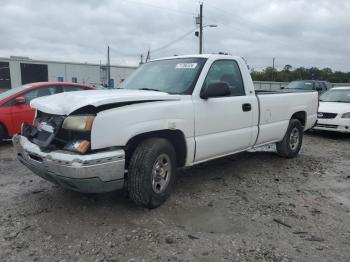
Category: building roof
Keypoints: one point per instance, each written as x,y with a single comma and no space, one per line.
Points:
29,60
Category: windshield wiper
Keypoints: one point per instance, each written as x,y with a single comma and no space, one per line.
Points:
151,89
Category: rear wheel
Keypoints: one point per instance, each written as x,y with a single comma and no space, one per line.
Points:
152,172
3,133
290,146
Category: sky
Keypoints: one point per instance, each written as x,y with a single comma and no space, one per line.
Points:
295,32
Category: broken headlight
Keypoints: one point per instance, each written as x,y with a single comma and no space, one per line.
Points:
79,123
79,146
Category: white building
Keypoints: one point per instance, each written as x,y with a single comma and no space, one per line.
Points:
16,71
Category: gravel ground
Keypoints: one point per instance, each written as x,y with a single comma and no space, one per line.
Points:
253,206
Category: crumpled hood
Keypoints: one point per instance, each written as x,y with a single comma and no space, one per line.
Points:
66,103
334,107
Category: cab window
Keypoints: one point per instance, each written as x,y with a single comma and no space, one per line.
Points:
226,71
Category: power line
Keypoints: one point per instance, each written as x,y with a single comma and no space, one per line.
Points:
161,47
239,17
160,7
173,42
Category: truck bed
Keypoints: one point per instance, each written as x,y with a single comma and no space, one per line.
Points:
276,108
281,91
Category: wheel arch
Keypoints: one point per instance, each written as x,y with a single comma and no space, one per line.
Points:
175,137
301,116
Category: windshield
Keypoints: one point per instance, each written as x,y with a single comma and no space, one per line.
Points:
336,95
305,85
173,76
13,91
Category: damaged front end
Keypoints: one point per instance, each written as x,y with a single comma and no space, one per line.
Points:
58,149
55,132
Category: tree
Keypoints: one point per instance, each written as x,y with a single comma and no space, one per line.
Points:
288,74
287,68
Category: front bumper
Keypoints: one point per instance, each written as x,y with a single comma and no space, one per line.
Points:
336,124
91,173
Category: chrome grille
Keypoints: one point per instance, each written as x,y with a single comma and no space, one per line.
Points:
326,115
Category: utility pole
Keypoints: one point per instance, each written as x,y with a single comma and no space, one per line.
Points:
273,69
141,59
108,67
199,34
148,57
201,28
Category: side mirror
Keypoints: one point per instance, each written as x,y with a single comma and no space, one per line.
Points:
282,87
20,100
217,89
318,88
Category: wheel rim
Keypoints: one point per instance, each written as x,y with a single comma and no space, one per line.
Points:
294,138
161,173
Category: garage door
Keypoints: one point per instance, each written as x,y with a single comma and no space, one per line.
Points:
5,79
31,73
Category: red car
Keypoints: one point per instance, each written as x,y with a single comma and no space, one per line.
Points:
15,108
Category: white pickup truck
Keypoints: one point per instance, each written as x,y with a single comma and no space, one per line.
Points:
171,113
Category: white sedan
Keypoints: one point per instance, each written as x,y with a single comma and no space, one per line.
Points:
334,110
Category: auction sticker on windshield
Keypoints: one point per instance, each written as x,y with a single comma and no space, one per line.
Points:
186,65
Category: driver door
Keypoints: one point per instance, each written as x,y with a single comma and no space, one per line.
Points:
224,125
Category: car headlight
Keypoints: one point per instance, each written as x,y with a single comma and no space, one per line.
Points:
79,123
346,115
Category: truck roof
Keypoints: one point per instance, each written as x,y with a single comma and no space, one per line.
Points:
215,56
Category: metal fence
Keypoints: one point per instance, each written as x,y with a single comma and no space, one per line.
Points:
267,85
340,84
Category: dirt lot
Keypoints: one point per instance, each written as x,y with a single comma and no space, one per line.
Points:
231,209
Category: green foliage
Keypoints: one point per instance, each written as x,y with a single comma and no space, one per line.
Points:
288,74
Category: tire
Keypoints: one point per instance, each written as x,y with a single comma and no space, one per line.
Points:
290,146
3,133
152,172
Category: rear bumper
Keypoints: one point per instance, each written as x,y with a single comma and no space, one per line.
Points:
92,173
337,125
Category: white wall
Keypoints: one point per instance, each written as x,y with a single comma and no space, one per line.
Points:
15,73
119,73
85,73
89,74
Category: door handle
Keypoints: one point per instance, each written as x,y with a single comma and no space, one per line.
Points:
246,107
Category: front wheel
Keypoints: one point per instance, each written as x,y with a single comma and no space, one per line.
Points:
290,146
152,172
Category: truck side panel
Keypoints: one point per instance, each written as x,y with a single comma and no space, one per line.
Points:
276,110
